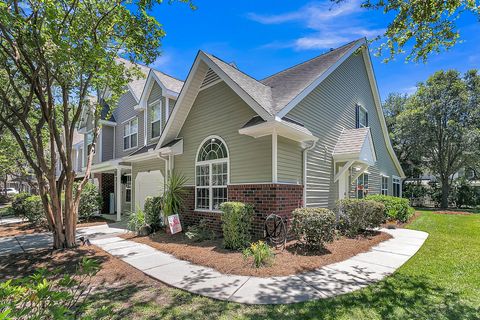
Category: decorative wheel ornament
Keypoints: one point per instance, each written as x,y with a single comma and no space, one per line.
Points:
275,231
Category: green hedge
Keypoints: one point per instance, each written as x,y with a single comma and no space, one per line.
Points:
395,208
236,224
358,215
314,226
90,201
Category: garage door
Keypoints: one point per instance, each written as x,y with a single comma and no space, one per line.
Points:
147,184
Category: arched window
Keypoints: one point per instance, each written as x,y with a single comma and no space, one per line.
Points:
211,174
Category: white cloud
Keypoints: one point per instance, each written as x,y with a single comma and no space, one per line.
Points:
162,61
332,24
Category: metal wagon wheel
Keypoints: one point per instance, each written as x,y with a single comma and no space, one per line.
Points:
275,231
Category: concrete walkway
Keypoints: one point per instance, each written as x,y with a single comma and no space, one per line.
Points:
331,280
334,279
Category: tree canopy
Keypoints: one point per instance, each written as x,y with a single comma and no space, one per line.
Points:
424,27
54,57
440,125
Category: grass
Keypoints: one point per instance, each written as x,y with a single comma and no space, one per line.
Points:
442,281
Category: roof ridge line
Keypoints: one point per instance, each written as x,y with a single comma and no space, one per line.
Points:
309,60
151,68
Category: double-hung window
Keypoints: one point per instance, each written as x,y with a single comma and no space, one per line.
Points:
385,185
130,134
396,187
211,174
362,186
361,116
156,125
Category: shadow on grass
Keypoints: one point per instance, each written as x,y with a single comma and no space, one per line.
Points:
398,297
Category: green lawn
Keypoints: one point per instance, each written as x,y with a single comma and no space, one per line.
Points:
442,281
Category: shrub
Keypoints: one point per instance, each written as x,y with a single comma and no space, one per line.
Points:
314,226
137,223
236,224
33,210
395,208
260,251
200,232
90,201
356,216
47,295
18,204
153,208
4,198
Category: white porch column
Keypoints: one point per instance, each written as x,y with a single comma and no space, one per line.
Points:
342,186
118,194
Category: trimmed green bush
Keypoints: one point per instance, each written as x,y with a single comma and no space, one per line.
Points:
200,232
358,215
18,204
33,210
236,224
153,215
395,208
90,201
314,226
260,251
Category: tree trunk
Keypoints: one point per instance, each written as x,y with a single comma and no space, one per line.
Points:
445,192
71,212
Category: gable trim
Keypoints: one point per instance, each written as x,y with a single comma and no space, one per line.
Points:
319,80
184,108
147,89
378,105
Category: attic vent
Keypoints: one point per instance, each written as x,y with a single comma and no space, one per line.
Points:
210,77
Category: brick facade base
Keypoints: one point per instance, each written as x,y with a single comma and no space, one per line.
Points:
266,199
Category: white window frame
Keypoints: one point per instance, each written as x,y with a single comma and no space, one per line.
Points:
384,187
367,188
128,187
152,105
397,180
360,125
210,187
130,134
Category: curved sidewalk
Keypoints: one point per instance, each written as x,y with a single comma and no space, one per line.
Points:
331,280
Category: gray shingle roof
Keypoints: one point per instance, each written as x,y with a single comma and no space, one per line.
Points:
137,85
276,91
289,83
350,141
259,92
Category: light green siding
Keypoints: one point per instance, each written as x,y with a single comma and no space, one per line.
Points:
218,110
289,161
325,112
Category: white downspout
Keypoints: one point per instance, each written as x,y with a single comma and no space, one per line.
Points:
305,154
274,156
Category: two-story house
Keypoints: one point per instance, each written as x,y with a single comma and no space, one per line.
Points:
305,136
126,133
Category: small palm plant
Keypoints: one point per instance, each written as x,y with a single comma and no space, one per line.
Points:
174,195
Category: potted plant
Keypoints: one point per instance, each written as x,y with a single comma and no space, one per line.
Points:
174,195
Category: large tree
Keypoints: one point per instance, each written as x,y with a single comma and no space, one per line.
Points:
403,141
54,55
444,122
420,26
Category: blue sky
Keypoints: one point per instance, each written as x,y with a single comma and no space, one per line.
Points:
264,37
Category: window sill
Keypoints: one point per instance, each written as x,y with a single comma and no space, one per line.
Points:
207,210
129,149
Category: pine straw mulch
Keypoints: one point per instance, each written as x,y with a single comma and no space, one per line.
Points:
461,213
292,260
22,228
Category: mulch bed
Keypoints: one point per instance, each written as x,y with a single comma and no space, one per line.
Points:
210,253
67,261
22,228
397,224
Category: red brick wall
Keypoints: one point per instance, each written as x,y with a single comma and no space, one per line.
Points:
280,199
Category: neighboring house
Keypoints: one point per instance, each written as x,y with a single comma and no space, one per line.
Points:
306,136
127,131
